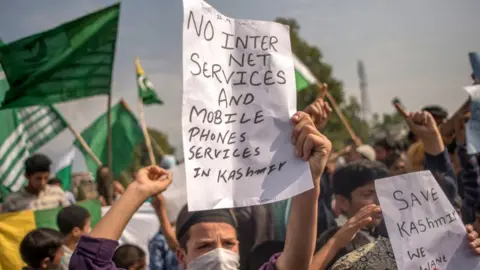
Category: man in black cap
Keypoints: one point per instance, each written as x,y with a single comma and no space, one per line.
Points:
208,239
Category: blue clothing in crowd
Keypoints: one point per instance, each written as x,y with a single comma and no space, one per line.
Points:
161,256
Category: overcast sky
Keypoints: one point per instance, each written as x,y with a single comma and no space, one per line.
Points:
416,50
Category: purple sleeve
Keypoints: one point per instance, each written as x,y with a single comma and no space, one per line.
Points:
93,254
272,263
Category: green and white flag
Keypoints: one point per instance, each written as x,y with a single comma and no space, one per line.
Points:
24,131
145,87
4,86
303,75
71,61
126,135
63,170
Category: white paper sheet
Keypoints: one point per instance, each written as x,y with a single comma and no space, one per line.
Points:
176,193
249,160
472,130
424,229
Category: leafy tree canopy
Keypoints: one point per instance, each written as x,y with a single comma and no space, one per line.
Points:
312,57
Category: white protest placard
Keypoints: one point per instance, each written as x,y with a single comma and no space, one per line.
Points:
238,97
424,229
472,130
176,193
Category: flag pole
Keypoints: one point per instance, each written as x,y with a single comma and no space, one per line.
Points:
84,144
109,184
143,124
156,147
79,137
335,106
152,140
141,115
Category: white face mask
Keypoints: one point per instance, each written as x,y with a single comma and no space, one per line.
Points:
217,259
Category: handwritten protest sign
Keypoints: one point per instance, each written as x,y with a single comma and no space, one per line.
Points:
472,130
239,95
424,229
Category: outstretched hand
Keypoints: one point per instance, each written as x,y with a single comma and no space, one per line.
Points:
361,219
310,144
152,180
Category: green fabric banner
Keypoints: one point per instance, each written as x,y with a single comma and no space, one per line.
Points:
126,134
71,61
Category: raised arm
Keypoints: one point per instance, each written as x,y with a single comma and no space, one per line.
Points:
468,175
310,145
159,204
96,250
149,181
437,160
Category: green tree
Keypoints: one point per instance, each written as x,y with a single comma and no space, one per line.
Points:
389,125
312,57
352,111
141,159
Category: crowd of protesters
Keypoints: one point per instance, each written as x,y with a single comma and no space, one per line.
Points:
336,225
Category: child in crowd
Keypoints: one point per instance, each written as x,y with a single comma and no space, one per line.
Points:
130,257
42,249
68,194
73,222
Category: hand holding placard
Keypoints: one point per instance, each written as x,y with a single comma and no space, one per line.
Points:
424,229
310,144
238,98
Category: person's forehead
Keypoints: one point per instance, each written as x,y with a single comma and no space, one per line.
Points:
41,174
212,229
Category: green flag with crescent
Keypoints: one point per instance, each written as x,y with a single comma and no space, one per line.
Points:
145,87
73,60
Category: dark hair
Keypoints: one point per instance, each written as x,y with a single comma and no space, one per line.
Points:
104,186
40,244
357,174
402,145
127,255
71,217
263,252
392,159
436,111
98,176
411,137
452,147
37,163
385,143
54,181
